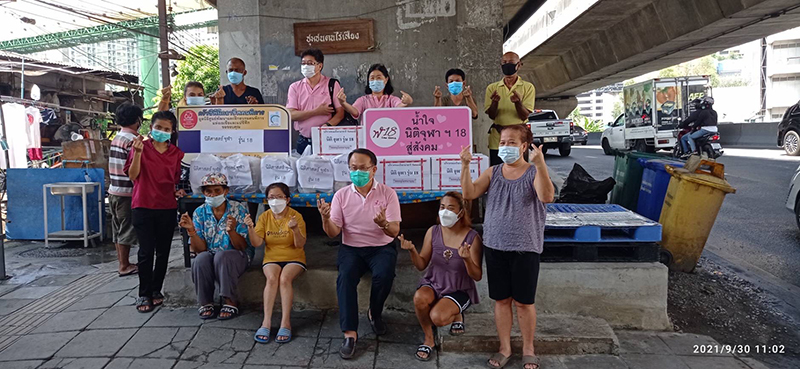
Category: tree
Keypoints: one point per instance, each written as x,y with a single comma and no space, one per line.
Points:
200,65
618,107
705,66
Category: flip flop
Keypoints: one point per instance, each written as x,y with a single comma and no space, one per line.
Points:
134,270
158,296
263,332
501,359
530,359
425,349
284,332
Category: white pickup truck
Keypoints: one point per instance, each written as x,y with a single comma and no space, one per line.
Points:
549,132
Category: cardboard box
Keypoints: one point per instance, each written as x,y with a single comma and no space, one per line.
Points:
405,172
337,140
446,171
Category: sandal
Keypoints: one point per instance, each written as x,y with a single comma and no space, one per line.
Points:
500,359
425,349
231,310
131,271
262,332
158,298
207,312
530,359
283,332
457,326
144,302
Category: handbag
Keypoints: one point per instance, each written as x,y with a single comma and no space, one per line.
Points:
348,119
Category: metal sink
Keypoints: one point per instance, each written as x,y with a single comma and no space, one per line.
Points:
71,188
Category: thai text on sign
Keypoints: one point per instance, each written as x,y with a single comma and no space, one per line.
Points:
418,131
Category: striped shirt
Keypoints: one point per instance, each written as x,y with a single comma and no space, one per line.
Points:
121,185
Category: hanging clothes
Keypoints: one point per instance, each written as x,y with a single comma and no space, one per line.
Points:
34,121
17,136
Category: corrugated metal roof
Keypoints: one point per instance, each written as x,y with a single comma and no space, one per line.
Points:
66,67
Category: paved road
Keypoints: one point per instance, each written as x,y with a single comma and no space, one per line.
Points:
753,227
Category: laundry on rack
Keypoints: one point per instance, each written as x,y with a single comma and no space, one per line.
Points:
16,136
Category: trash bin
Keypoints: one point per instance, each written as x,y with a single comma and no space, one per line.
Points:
628,174
690,208
655,181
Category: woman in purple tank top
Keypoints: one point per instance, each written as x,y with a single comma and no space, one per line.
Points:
452,254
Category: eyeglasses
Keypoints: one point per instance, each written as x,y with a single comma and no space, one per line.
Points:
363,169
308,63
276,197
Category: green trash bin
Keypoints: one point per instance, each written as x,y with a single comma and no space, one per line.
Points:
628,175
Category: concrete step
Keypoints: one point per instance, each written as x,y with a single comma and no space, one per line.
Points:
556,334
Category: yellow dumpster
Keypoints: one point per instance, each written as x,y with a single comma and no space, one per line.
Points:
690,209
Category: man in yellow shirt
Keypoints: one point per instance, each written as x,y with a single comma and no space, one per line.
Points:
508,102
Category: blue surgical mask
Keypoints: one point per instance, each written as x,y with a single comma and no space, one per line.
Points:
455,87
509,154
376,85
360,178
235,77
195,100
215,201
160,136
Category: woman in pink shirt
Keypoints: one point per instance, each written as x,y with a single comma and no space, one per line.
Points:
378,94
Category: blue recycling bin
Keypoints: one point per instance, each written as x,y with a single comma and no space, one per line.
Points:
655,181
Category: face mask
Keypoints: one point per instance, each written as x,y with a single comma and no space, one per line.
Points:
235,77
360,178
308,71
195,100
160,136
376,86
509,154
215,201
277,205
509,69
455,87
447,218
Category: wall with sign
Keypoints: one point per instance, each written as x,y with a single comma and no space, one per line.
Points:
418,42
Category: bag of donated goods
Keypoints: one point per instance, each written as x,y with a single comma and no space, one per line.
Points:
240,176
277,169
314,174
201,165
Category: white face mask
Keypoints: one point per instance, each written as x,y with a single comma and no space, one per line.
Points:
195,100
308,70
215,201
448,218
277,205
509,154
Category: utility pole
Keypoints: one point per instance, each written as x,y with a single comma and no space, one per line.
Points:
164,41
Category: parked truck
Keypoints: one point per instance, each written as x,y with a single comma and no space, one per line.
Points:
654,108
549,132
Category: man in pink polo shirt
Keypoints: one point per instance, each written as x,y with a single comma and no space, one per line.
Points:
367,214
310,100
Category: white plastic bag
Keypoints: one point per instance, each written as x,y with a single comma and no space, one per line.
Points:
278,169
240,177
315,174
341,168
201,165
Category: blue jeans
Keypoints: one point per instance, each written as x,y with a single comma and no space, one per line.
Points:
687,141
353,263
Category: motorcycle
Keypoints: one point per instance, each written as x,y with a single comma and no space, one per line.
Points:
708,144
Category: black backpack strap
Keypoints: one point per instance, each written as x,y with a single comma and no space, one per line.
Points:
331,83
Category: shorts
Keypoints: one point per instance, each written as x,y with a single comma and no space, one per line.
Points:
512,274
122,231
461,298
283,264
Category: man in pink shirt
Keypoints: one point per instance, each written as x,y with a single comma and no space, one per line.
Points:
310,100
367,214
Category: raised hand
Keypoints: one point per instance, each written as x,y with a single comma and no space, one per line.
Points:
495,97
324,209
464,251
231,225
186,222
466,156
536,156
405,98
406,244
251,100
217,96
341,96
292,222
467,92
166,93
324,109
437,92
138,145
380,218
248,221
515,97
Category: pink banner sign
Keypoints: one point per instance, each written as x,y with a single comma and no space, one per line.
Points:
418,131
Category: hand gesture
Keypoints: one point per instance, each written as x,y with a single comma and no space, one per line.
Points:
248,221
380,218
180,193
341,96
406,98
465,251
138,145
536,156
466,156
324,209
219,95
251,100
231,225
467,92
292,222
495,97
437,93
166,93
515,97
406,244
324,109
186,222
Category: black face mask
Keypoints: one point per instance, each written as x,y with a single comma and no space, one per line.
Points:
509,69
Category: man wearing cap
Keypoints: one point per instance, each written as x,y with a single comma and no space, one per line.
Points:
219,237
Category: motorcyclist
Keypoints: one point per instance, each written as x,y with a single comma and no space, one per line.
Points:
703,121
